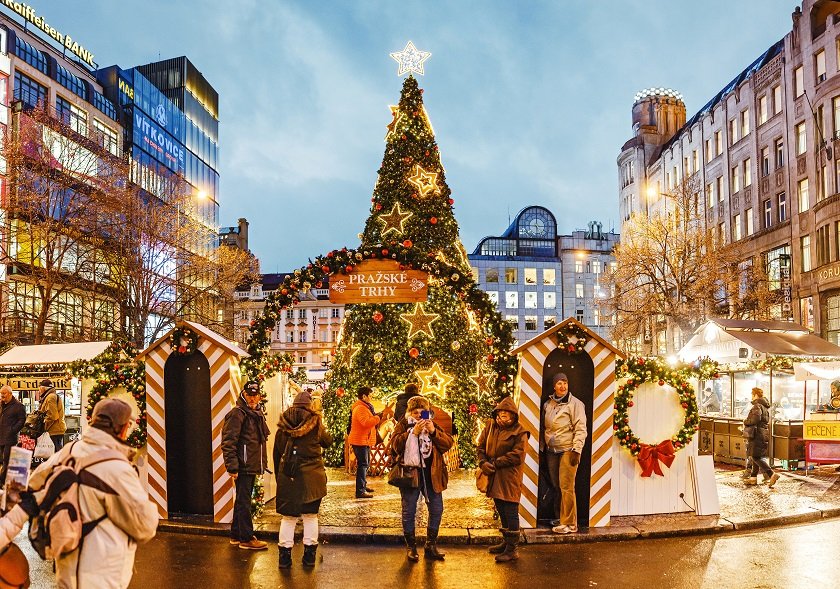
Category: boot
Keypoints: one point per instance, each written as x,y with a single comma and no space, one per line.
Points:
411,544
309,551
285,558
431,550
511,542
500,547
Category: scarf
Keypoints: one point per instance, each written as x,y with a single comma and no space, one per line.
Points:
417,448
258,418
563,399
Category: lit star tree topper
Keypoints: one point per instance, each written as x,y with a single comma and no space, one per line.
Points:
410,60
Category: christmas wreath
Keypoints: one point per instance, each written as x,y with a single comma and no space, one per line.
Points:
572,338
183,341
111,369
641,370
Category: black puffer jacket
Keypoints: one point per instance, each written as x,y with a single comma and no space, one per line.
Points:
244,438
759,418
304,429
12,418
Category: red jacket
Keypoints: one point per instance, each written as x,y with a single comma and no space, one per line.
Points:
363,427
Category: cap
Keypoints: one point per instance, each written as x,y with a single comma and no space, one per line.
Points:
251,388
559,376
46,383
117,411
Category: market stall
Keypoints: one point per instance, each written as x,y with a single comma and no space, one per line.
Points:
755,354
821,430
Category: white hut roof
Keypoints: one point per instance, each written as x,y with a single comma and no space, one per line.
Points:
52,353
204,332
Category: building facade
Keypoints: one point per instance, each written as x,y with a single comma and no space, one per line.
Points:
537,278
308,332
763,153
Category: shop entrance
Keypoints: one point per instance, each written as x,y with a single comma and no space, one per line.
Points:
189,455
581,373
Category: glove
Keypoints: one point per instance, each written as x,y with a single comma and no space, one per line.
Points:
574,458
487,468
28,503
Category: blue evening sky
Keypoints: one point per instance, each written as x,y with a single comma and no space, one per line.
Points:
530,100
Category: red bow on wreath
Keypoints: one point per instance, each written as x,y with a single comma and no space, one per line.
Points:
650,457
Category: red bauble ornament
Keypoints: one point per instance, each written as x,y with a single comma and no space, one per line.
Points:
571,348
284,291
433,220
330,254
504,378
252,323
182,349
451,201
473,409
348,268
414,352
339,392
661,382
630,404
325,269
378,317
490,358
489,341
378,207
384,252
407,243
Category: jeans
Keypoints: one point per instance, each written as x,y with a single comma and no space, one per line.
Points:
409,506
242,527
562,475
362,463
5,451
58,441
508,513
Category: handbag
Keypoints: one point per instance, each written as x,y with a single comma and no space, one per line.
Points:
14,568
482,481
403,477
290,461
34,425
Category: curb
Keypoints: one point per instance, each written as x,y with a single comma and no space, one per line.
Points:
483,537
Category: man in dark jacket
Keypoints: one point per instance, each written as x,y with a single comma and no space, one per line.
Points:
12,418
244,438
411,390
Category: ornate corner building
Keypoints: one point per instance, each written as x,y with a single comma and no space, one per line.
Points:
765,154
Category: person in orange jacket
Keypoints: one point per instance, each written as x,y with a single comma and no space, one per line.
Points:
362,437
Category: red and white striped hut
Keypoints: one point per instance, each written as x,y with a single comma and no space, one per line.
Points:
192,381
589,362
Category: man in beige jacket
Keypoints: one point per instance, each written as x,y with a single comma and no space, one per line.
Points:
53,409
564,437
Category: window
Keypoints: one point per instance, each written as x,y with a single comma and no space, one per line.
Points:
805,245
819,66
71,82
579,290
72,115
579,315
513,320
768,214
718,143
290,314
721,234
549,321
837,240
765,161
734,180
336,313
719,188
491,275
801,138
530,300
733,131
798,82
695,161
745,123
549,300
596,266
107,137
579,266
822,182
747,172
804,199
493,295
510,275
530,275
779,148
777,99
290,337
736,228
823,252
781,206
530,322
710,195
549,276
30,55
762,110
511,300
708,150
748,216
28,91
302,336
301,313
104,105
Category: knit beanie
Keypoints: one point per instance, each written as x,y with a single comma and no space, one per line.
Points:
418,402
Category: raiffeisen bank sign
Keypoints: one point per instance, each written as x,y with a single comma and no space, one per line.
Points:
28,13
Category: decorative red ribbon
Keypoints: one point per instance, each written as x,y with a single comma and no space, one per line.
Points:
650,457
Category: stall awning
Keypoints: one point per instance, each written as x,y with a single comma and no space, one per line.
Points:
52,353
789,343
816,370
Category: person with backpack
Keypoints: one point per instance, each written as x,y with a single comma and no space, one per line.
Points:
95,476
12,418
52,409
244,437
300,474
362,437
757,433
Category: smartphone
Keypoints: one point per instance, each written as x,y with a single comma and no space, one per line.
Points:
425,414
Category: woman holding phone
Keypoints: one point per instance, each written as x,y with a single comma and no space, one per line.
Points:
416,441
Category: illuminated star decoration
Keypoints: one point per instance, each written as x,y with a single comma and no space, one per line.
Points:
426,182
410,59
395,220
347,354
395,122
481,378
419,321
434,380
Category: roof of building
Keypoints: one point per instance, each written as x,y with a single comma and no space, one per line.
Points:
52,353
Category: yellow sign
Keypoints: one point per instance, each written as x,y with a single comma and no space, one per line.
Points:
822,430
28,13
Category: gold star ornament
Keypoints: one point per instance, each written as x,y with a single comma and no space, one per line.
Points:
434,380
420,322
410,59
395,123
482,378
347,353
394,220
425,182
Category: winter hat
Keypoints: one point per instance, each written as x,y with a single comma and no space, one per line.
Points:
46,383
418,402
251,388
110,415
559,376
303,399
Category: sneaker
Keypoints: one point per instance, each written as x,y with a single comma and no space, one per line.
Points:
364,495
561,529
751,481
368,490
772,480
234,542
745,474
253,544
